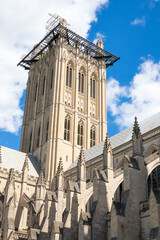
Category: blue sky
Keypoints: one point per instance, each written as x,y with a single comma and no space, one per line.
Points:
130,29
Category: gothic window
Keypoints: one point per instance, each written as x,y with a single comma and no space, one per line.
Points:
35,94
30,142
69,76
154,180
67,124
80,134
92,136
43,87
52,79
152,149
47,130
38,137
81,82
92,88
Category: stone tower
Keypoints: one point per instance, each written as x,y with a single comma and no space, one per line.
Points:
65,104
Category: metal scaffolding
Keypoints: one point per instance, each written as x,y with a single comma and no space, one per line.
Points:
54,29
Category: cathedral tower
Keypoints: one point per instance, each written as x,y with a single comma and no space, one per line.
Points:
65,104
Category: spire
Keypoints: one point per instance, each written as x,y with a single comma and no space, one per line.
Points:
137,139
107,154
11,176
136,128
81,166
107,143
41,180
60,167
81,159
100,43
25,165
59,176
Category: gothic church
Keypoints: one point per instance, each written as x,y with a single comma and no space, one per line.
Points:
69,181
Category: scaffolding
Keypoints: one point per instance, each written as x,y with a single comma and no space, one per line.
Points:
54,28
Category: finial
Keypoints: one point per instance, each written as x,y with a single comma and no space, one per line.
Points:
25,165
81,159
136,128
11,176
60,167
100,43
107,143
41,179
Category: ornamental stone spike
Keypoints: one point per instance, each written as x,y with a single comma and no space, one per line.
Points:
25,165
11,176
60,167
81,159
137,142
107,143
136,128
41,180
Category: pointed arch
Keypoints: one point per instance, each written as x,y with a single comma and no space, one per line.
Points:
153,180
92,135
152,149
67,127
80,133
69,74
81,79
93,85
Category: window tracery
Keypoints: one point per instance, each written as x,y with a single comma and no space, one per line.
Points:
80,133
69,73
153,180
92,87
92,136
81,81
67,123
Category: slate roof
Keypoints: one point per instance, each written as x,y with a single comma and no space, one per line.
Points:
121,138
14,159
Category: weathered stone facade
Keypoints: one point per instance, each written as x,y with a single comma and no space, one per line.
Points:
59,190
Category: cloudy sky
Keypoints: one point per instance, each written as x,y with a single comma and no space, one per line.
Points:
130,29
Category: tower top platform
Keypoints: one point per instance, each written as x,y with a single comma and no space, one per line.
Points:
58,27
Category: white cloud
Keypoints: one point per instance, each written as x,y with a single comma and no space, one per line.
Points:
98,36
139,21
141,98
22,26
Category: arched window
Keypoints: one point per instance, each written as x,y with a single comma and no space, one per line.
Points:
38,137
81,82
154,180
47,130
92,88
151,150
30,142
52,79
67,123
92,136
80,134
69,76
43,87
